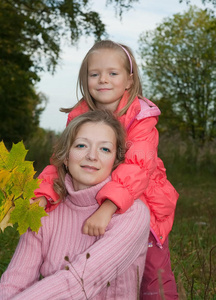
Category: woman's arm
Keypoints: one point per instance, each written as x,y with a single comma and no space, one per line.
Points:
125,240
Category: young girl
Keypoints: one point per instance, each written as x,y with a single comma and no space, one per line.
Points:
109,79
74,265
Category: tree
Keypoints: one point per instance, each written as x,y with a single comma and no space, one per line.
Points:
19,106
42,24
30,40
179,62
213,2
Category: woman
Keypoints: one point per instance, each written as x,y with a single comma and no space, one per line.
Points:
74,265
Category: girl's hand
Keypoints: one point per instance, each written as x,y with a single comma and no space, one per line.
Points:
97,223
42,201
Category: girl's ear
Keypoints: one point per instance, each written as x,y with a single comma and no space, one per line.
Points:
130,82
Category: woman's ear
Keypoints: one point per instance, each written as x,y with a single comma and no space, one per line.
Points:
66,162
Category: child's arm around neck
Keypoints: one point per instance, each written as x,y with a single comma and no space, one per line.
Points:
97,223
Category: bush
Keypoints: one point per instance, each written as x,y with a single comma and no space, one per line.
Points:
40,148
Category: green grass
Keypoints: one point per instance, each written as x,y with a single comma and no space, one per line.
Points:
193,238
192,170
8,242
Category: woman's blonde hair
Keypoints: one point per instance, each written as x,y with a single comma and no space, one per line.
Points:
82,83
64,143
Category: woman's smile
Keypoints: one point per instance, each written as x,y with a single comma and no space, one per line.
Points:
92,155
89,168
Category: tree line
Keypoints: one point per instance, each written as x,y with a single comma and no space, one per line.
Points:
178,62
179,71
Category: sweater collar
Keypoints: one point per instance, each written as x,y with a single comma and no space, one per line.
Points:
84,197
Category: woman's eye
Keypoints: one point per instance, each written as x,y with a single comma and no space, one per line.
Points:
80,146
105,149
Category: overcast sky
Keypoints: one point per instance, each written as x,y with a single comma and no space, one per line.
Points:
61,88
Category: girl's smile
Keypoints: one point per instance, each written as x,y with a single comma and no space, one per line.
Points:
107,78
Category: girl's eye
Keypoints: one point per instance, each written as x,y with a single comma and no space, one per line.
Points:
93,75
113,73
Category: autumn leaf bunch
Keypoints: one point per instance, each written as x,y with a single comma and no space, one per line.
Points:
17,185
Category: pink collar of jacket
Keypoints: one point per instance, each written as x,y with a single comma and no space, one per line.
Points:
139,109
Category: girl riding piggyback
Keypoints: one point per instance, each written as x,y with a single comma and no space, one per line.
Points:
109,79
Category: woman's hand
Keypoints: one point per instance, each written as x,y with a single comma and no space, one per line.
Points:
42,201
97,223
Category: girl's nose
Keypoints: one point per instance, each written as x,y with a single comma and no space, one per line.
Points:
103,78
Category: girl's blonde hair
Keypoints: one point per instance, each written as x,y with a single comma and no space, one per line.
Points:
62,148
82,83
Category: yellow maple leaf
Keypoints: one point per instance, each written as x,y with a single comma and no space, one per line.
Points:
6,206
5,221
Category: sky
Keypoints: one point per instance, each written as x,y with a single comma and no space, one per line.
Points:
60,88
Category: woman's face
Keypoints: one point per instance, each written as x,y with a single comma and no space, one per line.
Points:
92,155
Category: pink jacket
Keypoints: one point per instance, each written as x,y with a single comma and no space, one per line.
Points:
141,176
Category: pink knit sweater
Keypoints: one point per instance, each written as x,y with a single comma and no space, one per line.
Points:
112,271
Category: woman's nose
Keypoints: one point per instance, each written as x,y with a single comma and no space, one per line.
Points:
92,154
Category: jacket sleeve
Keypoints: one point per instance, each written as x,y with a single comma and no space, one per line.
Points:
46,186
111,255
130,179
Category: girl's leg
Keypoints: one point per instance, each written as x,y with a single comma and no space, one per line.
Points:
158,278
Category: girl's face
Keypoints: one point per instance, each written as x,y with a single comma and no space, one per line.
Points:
107,78
92,155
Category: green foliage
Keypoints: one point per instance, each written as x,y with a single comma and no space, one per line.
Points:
213,2
179,62
17,186
31,33
121,5
37,27
20,105
41,148
193,241
41,24
192,169
8,242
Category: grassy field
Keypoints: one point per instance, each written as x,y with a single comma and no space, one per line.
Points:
193,238
192,170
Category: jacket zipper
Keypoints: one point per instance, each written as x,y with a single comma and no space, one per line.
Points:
158,243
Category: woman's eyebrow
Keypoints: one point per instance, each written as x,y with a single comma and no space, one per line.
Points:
86,139
107,142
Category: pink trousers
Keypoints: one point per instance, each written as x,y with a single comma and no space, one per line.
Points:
158,280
